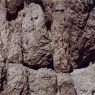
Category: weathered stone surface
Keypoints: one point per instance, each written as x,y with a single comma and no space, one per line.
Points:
41,42
13,7
3,24
21,80
24,81
17,80
43,82
26,40
65,84
84,80
60,38
35,38
82,28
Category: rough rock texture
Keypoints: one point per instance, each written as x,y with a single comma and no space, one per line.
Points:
65,84
24,81
42,43
84,80
13,7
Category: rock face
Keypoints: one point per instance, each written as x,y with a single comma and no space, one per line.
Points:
42,43
84,80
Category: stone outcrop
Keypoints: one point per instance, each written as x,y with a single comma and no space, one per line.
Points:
42,43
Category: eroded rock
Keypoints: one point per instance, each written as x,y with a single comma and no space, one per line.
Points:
84,80
35,39
41,42
65,84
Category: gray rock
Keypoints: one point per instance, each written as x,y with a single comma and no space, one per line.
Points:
84,80
24,81
35,38
41,42
60,38
65,84
43,82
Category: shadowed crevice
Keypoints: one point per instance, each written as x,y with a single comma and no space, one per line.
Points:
46,64
3,80
48,24
13,9
85,62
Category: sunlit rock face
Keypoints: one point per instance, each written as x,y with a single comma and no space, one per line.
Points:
42,43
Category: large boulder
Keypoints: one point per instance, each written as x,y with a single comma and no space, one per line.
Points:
35,38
